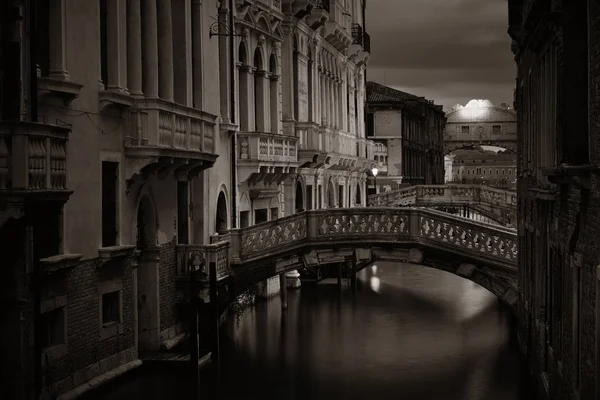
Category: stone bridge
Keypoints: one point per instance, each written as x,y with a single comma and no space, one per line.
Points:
483,253
497,204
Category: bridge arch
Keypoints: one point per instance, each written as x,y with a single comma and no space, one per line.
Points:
481,252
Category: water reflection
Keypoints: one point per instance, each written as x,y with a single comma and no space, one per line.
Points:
409,332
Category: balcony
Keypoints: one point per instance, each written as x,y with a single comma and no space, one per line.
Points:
217,252
333,149
33,162
266,156
357,52
338,27
167,138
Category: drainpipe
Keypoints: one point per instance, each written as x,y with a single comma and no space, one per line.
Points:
232,119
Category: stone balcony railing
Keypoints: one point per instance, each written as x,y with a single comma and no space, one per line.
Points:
334,141
158,123
274,4
217,252
262,146
33,157
445,194
371,227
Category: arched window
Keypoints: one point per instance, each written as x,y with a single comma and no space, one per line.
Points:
310,85
295,50
274,94
243,71
221,220
259,92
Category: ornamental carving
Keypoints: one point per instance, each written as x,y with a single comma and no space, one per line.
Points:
265,237
373,223
462,235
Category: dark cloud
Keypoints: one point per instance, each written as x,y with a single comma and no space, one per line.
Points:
455,49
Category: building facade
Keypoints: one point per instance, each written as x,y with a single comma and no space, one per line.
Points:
555,45
480,123
132,128
484,167
408,131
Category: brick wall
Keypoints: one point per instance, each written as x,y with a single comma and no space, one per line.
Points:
167,289
87,345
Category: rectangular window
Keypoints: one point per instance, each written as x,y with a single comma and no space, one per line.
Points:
261,216
497,129
244,219
464,129
53,327
274,213
183,207
111,308
341,196
109,203
320,197
104,43
309,197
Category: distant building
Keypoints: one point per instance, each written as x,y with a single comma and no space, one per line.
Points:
486,167
480,123
408,132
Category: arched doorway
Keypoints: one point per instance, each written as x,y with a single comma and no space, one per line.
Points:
331,195
221,221
299,197
358,199
147,277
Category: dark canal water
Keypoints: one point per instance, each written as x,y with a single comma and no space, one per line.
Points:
409,333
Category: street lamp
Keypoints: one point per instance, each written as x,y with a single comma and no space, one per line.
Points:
374,171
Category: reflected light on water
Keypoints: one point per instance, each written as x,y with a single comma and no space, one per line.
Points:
374,269
375,283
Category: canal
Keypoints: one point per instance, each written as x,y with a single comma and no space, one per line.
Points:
410,332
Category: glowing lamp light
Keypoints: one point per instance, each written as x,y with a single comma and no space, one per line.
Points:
374,171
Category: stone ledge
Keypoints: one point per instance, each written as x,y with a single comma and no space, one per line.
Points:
106,254
91,372
99,380
59,262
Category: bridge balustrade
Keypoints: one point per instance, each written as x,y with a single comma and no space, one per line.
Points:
445,194
369,227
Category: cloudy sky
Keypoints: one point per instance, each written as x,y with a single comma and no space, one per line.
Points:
449,51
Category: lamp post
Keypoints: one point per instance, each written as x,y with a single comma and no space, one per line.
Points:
374,171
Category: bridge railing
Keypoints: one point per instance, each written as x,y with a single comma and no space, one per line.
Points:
431,194
217,252
367,227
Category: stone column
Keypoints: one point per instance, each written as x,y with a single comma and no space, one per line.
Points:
287,63
273,103
244,73
197,61
124,78
165,50
134,48
57,44
150,50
